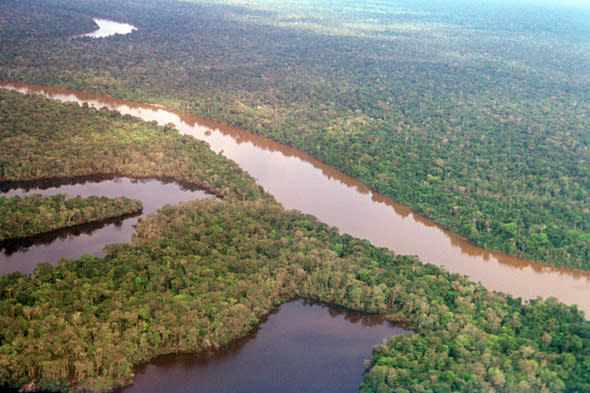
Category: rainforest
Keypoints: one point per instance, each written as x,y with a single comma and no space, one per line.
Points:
473,115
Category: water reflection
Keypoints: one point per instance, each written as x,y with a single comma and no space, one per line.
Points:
299,181
301,347
23,255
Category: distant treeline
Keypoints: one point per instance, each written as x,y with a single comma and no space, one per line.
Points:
477,124
35,214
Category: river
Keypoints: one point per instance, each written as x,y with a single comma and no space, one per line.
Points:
108,28
299,181
23,255
303,347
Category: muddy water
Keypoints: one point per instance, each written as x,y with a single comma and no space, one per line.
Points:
301,182
302,347
72,243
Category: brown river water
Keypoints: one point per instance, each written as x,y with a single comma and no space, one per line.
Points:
299,181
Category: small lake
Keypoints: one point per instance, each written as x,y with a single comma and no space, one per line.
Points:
109,27
23,255
301,347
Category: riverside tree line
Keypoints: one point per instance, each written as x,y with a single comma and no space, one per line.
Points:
198,274
478,123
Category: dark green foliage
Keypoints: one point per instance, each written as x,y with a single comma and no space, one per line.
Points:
41,138
35,214
476,122
201,273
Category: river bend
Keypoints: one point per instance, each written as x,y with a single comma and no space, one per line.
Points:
299,181
24,254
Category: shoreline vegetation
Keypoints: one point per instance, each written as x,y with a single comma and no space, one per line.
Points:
9,247
429,119
32,215
199,274
59,142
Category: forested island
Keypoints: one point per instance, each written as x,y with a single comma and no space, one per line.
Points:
36,214
477,122
199,274
413,120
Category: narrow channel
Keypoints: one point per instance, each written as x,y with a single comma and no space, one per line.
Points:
72,243
299,181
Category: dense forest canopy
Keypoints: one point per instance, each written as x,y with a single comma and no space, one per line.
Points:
478,124
201,273
474,115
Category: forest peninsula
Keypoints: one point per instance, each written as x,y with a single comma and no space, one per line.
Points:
192,268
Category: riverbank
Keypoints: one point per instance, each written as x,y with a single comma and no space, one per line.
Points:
328,194
35,214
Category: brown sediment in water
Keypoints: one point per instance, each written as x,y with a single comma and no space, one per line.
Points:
299,181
